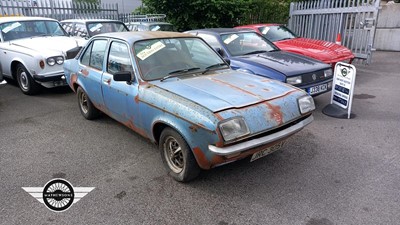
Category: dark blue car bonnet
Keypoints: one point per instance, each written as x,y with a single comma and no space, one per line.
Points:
287,63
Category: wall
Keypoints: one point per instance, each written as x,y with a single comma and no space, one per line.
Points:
387,36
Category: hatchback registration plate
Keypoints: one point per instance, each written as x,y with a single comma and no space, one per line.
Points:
266,151
318,89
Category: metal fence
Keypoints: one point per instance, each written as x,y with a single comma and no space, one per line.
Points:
354,20
59,10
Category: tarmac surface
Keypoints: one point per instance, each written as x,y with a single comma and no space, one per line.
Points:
335,171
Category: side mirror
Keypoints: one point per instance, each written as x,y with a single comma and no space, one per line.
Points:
123,76
73,52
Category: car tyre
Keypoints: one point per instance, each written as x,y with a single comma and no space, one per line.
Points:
88,110
177,156
25,81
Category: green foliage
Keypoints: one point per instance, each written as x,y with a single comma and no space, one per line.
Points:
193,14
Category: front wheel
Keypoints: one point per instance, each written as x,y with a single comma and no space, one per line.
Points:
177,156
86,106
25,81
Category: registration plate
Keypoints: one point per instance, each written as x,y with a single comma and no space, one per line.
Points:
318,89
266,151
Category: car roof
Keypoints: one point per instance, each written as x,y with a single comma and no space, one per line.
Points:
148,23
219,31
260,25
90,20
22,18
133,36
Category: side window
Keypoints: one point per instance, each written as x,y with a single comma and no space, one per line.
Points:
211,40
94,54
67,27
86,55
80,30
119,59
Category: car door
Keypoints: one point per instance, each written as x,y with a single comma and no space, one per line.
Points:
90,70
119,96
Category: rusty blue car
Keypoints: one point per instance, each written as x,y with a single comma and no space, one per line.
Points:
175,90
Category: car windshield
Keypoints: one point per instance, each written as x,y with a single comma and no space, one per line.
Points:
105,27
25,29
244,43
161,27
163,58
277,33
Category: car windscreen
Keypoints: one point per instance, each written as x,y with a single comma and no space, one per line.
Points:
277,33
243,43
160,58
25,29
105,27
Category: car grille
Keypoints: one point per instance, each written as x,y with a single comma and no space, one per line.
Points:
313,77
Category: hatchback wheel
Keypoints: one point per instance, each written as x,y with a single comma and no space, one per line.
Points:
177,156
86,106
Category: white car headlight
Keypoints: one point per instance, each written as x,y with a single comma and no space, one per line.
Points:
233,128
328,73
306,104
51,61
294,80
59,60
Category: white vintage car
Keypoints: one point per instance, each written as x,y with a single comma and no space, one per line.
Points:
32,51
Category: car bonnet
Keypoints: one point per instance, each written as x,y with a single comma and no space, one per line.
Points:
226,90
47,45
287,63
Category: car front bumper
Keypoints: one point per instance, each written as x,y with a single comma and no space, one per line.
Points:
265,140
51,81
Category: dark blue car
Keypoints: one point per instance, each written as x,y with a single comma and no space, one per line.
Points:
250,52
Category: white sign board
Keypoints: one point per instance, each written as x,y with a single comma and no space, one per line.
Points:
343,86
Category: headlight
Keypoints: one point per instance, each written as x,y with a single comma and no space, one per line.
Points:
233,128
51,61
306,104
59,60
294,80
328,73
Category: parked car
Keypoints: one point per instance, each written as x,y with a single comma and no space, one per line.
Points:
31,52
173,89
87,28
285,39
150,26
249,52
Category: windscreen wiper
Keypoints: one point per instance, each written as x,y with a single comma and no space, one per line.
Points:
177,72
255,52
208,68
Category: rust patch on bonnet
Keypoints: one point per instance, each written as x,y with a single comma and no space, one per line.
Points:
234,87
275,113
201,159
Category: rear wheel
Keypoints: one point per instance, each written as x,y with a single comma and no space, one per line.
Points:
86,106
25,81
177,156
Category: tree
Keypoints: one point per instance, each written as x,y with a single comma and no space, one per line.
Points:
192,14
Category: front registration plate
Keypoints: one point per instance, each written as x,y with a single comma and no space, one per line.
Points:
318,89
266,151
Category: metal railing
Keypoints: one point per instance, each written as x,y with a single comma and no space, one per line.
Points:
354,20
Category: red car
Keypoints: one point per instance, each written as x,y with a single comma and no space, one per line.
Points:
286,40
